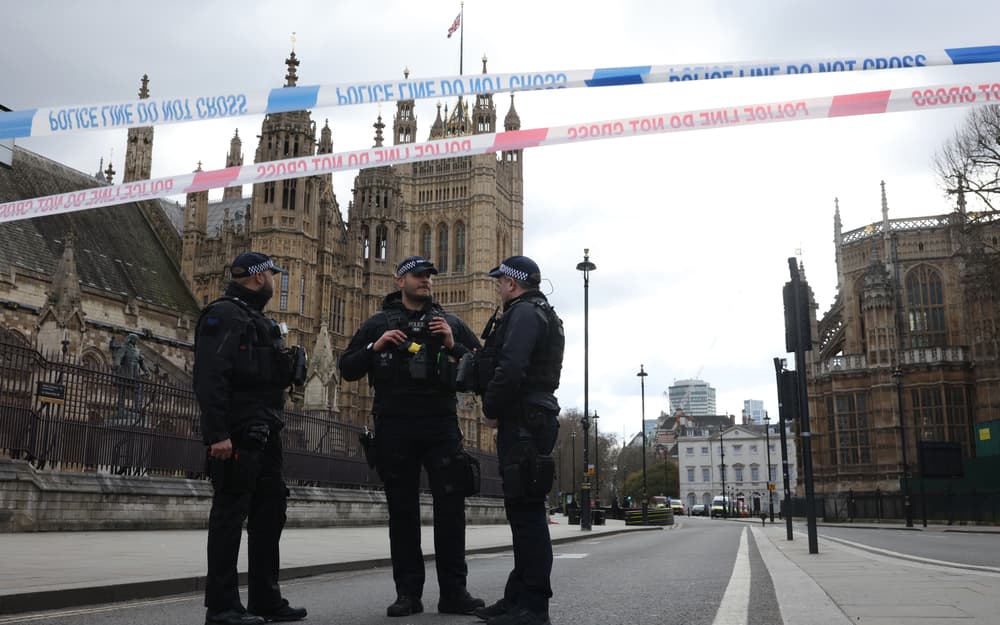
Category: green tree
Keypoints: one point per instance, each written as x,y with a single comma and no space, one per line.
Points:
661,479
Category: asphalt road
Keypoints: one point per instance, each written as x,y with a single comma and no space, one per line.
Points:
960,548
671,577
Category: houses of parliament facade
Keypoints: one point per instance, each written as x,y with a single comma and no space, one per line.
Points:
466,214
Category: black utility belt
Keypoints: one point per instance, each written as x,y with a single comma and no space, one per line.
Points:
416,416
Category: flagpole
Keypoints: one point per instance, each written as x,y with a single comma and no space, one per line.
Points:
461,36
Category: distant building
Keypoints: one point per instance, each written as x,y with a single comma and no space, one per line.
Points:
650,426
695,397
747,471
753,411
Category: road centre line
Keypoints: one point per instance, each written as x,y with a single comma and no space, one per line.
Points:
735,604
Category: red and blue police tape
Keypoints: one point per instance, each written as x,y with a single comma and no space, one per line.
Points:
868,103
62,120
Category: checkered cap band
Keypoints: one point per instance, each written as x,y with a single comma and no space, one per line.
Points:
517,274
260,267
407,266
415,262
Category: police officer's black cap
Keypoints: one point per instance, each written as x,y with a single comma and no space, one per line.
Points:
416,264
520,268
251,263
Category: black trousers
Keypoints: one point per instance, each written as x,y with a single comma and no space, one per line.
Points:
404,444
528,584
249,488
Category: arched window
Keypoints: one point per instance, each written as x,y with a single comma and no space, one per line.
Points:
283,297
381,242
460,247
925,308
366,243
288,194
442,255
425,241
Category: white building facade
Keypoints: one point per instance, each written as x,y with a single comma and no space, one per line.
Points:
743,449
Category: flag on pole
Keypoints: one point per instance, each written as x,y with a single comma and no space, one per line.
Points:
454,25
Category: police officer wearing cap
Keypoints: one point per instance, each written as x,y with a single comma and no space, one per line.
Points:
517,372
241,371
408,350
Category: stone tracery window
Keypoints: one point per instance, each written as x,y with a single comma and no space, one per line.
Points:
381,242
460,247
425,241
925,308
442,255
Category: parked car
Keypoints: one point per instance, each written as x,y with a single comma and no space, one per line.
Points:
699,509
677,506
719,504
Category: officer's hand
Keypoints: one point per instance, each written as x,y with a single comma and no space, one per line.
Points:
221,449
390,337
438,325
490,423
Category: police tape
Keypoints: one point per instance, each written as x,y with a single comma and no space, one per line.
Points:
868,103
170,110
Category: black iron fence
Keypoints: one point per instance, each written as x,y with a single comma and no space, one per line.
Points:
953,506
62,415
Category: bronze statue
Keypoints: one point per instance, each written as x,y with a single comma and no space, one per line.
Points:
127,359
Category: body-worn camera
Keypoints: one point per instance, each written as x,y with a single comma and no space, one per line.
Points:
422,362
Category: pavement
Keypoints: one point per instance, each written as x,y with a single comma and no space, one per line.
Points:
840,585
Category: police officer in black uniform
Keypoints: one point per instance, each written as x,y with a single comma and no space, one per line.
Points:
408,350
517,372
241,371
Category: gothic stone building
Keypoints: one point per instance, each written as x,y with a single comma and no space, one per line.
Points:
911,340
466,214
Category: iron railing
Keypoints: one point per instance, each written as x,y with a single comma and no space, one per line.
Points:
108,423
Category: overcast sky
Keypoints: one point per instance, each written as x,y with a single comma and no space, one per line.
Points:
690,232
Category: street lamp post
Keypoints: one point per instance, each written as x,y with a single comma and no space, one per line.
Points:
897,376
572,436
585,519
767,442
645,498
722,455
597,461
586,267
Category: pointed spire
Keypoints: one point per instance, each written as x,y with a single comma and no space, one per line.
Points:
838,225
144,89
961,193
109,173
100,171
64,297
235,156
437,128
378,126
406,73
234,159
512,121
885,215
326,139
291,78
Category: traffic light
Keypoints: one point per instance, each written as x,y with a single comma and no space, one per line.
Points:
797,322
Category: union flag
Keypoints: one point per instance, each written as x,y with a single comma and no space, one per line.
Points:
454,25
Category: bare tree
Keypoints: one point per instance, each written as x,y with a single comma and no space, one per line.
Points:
969,162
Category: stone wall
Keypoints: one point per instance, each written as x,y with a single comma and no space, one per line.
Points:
41,501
